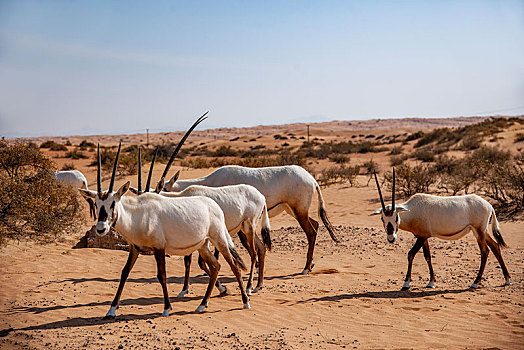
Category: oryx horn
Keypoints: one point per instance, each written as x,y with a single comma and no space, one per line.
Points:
379,192
177,149
139,170
112,183
393,194
99,173
151,170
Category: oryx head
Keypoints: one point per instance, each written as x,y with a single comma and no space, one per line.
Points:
106,202
389,214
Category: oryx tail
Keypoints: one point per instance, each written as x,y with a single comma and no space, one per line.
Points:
495,229
266,229
323,215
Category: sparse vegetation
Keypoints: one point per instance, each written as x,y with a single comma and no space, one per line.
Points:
33,204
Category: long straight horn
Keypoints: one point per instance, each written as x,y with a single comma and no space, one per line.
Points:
115,166
139,170
177,149
99,173
393,194
379,192
151,171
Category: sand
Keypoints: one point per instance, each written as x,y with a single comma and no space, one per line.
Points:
53,296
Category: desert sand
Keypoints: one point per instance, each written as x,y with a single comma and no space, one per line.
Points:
53,296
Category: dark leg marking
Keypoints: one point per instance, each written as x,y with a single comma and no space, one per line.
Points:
160,257
411,255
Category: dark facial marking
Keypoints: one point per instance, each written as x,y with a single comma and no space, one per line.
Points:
102,216
389,229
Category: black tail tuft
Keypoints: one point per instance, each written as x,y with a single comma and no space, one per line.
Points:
323,215
266,237
237,258
498,237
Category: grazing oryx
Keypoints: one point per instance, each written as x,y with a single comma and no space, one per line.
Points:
448,218
242,205
175,226
73,178
76,179
288,188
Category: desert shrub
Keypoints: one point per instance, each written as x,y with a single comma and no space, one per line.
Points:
415,136
75,154
519,137
396,150
33,203
397,160
424,155
339,158
470,142
369,166
127,163
223,151
411,180
84,145
58,147
68,166
455,175
47,144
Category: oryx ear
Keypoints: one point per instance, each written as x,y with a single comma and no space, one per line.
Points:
160,185
174,178
88,194
400,208
123,189
134,190
376,212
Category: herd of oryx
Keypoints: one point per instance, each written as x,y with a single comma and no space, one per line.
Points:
179,217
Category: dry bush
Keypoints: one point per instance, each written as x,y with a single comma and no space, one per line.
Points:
68,166
33,204
75,154
396,150
411,180
336,174
339,158
424,155
519,137
397,160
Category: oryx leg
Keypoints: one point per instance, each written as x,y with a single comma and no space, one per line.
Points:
427,256
214,266
311,235
496,250
131,259
484,252
160,257
224,250
261,253
411,255
249,231
187,265
201,262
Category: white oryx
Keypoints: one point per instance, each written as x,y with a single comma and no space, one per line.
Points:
77,180
73,178
448,218
175,226
286,188
242,205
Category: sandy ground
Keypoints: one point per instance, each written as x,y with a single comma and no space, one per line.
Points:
54,296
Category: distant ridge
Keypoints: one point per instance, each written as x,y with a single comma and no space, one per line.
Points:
340,126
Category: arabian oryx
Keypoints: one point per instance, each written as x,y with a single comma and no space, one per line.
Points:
77,180
175,226
448,218
242,205
286,188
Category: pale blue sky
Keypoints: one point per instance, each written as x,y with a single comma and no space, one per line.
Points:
89,67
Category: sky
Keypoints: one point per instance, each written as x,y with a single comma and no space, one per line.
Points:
111,67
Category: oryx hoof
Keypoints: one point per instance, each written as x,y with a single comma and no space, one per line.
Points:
305,272
222,290
248,291
182,293
431,284
247,306
405,286
474,286
257,289
165,313
200,308
508,282
109,317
